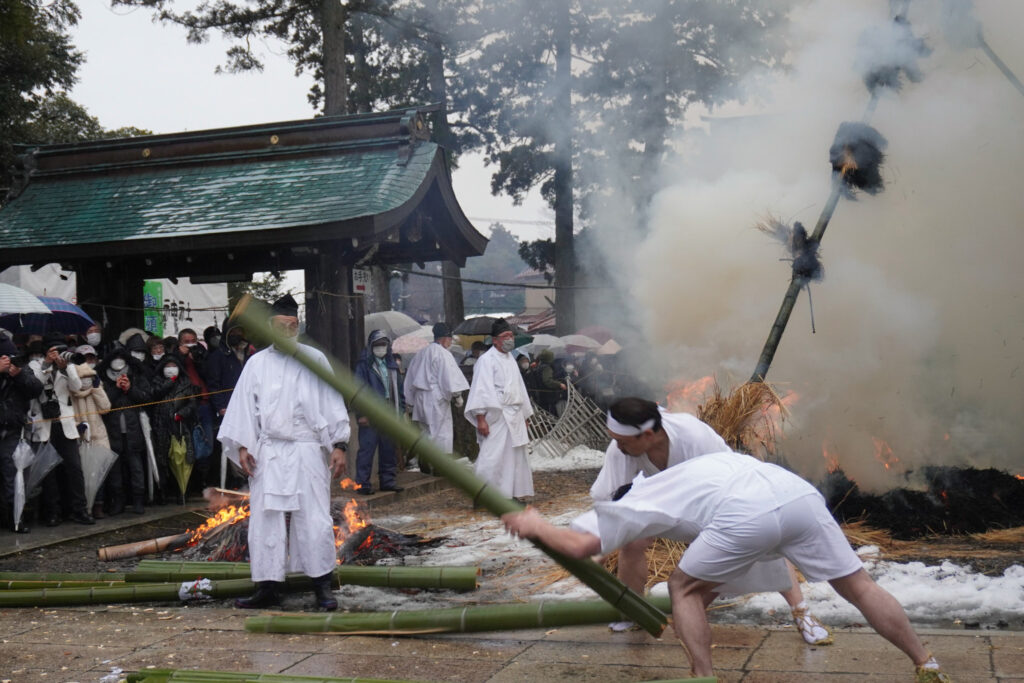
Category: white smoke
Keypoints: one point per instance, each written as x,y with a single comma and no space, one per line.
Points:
920,327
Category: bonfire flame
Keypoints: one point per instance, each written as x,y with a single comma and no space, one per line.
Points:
225,516
355,519
831,457
884,454
687,396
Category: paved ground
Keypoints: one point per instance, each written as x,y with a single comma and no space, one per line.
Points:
90,643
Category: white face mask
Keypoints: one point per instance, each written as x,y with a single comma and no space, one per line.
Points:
93,338
170,372
524,364
380,351
35,356
139,355
157,356
508,344
569,367
117,364
191,345
91,364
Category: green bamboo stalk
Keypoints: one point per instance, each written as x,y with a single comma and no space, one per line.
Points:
138,592
453,620
61,576
454,578
204,676
254,316
33,585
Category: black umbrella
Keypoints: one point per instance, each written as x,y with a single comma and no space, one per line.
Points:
479,325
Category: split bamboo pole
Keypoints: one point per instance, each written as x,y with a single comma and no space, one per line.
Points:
201,676
148,547
454,578
453,620
254,315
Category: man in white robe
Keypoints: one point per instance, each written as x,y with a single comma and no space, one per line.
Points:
432,381
498,406
741,512
647,439
288,431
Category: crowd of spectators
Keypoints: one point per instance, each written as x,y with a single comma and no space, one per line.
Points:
145,398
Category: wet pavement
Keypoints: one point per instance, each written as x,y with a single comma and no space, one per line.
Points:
96,643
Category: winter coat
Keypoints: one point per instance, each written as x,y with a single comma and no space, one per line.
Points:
176,413
139,392
223,368
57,385
367,375
91,403
16,395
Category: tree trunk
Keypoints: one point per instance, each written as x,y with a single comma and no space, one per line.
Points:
565,257
454,307
332,27
658,129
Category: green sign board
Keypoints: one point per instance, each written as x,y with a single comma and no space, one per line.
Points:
153,302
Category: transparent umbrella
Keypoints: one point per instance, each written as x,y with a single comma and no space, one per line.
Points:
46,459
147,436
96,462
23,457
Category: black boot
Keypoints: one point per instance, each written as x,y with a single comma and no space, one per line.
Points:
267,594
324,594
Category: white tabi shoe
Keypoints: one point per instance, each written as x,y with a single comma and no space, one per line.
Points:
812,630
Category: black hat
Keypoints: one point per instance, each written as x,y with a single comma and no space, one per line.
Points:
7,347
286,305
441,330
52,339
500,325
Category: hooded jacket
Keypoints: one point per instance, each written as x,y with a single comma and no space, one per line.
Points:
367,375
223,368
139,392
91,403
175,414
16,393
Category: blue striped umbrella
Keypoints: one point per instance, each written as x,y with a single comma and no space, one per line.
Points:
64,317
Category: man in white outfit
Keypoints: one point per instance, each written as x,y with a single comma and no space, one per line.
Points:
744,516
289,432
647,439
498,406
432,381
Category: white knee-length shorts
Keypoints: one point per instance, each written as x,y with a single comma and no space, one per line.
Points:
803,531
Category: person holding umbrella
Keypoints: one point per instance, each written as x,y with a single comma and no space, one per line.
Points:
57,425
17,389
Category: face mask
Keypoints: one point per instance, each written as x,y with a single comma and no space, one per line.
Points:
170,372
91,365
191,345
157,356
117,364
93,338
380,351
524,364
569,367
508,344
35,356
214,342
139,355
234,340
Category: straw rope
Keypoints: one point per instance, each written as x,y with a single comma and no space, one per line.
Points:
131,407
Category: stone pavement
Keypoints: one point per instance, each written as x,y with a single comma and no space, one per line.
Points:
89,643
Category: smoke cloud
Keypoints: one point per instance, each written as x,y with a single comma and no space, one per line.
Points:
920,323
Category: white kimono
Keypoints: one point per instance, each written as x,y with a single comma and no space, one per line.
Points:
288,420
498,392
712,492
432,381
688,437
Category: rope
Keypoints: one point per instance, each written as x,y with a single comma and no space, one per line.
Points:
131,407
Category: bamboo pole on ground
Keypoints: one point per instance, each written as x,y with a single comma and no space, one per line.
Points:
254,315
35,585
62,576
201,676
129,592
453,620
454,578
147,547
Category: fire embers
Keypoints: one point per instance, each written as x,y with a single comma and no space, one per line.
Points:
889,54
803,250
856,155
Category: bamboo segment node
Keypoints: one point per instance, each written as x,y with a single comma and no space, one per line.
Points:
148,547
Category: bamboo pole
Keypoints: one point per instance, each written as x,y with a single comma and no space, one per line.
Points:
455,578
254,315
453,620
201,676
148,547
62,576
129,592
34,585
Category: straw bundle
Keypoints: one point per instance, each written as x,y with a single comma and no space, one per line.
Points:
745,418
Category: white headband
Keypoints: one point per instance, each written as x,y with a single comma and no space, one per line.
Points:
616,427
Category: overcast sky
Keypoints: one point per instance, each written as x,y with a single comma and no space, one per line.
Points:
144,74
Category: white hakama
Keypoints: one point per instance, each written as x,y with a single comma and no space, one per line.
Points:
288,420
498,393
741,517
688,437
432,381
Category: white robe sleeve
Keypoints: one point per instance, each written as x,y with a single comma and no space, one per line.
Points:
618,470
450,378
241,425
483,395
330,418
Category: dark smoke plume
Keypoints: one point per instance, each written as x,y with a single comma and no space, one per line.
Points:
856,155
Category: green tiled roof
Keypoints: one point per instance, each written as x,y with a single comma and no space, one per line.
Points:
225,196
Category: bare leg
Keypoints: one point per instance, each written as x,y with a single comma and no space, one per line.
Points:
633,564
689,618
883,612
794,596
